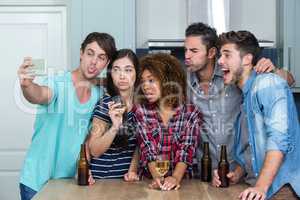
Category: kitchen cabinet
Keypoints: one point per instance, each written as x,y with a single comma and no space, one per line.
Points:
116,17
289,37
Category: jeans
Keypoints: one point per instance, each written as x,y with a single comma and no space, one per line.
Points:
26,193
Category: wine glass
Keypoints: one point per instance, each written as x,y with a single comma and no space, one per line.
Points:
162,165
121,139
118,99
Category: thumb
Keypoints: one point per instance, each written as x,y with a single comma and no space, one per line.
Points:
216,174
230,175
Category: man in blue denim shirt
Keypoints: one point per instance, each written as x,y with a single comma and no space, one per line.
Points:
272,126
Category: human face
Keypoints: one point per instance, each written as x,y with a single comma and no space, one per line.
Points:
196,56
123,74
231,63
150,87
92,60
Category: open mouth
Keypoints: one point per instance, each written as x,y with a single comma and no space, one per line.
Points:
225,73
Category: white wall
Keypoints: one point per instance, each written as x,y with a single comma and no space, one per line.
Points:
166,19
160,19
257,16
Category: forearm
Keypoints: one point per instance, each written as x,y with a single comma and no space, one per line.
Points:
285,75
36,94
99,144
269,170
152,170
179,171
134,161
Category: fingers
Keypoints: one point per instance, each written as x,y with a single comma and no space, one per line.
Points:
155,184
264,65
25,74
27,62
116,107
126,177
252,194
232,177
168,186
216,179
170,183
177,187
243,195
131,176
91,179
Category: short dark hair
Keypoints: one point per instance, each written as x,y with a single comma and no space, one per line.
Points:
168,70
245,42
208,34
104,40
122,53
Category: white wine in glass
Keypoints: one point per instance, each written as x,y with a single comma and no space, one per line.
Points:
162,167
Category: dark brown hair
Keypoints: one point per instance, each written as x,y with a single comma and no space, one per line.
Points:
207,34
104,40
172,78
122,53
245,42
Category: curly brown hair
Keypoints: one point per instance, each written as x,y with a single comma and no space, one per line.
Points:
170,74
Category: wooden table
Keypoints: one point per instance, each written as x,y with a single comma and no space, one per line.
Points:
67,189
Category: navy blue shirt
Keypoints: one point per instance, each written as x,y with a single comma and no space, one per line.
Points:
115,162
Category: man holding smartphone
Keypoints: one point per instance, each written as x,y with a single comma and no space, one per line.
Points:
65,104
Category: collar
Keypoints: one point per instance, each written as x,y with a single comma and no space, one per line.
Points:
217,73
249,83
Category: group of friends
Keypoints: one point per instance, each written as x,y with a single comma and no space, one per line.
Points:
224,94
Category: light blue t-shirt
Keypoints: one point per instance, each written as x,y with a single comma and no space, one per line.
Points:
59,129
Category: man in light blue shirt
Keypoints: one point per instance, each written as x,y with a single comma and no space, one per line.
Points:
65,104
269,122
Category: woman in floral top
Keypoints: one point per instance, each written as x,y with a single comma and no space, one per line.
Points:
166,125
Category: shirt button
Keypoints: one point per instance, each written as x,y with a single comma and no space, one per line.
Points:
218,146
256,174
253,159
226,95
213,115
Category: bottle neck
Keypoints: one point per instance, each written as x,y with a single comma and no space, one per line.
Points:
82,152
206,149
223,153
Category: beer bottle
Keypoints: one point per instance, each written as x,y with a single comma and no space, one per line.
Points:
83,167
223,168
206,164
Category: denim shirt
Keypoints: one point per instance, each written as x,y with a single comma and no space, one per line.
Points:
272,125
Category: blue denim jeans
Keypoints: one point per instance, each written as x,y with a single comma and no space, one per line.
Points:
26,193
